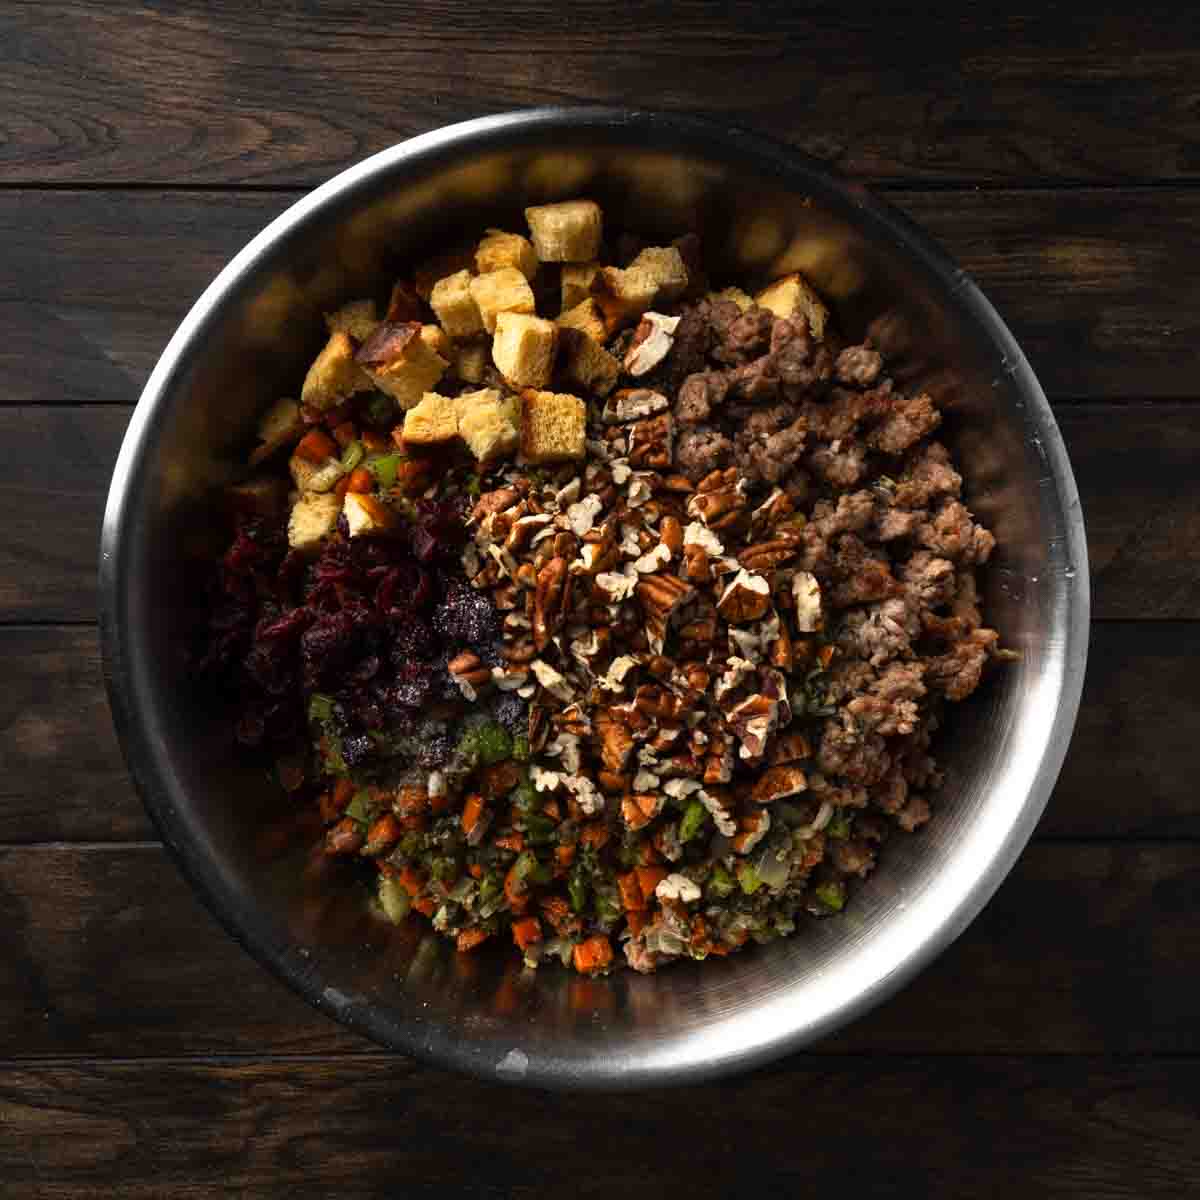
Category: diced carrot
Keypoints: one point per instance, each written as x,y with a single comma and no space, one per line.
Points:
511,841
631,892
564,855
526,931
594,835
649,878
425,906
592,955
345,433
552,810
386,869
375,442
416,823
383,834
329,808
411,880
475,871
636,921
633,815
316,446
470,938
472,811
411,800
361,480
648,856
342,487
558,912
343,792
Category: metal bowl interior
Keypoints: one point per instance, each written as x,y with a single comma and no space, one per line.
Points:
761,209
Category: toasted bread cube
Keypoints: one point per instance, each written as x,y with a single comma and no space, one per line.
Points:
434,336
280,425
586,364
402,361
553,426
334,375
499,249
471,361
735,294
454,305
365,514
586,317
489,426
793,296
623,295
309,476
357,318
666,267
313,517
432,421
565,232
505,290
438,267
523,349
576,283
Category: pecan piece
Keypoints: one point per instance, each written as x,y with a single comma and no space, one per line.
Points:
551,599
470,674
660,595
746,598
777,782
651,442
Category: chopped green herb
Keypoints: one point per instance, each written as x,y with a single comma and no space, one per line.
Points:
494,743
384,468
720,884
748,878
693,820
359,807
352,455
831,895
577,890
520,748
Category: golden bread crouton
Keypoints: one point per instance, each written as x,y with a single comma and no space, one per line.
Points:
313,518
586,364
523,349
505,290
433,420
623,295
309,476
666,267
471,361
553,426
565,232
735,294
489,426
576,279
499,249
434,336
400,360
366,515
334,375
793,296
454,306
432,269
357,318
280,425
587,317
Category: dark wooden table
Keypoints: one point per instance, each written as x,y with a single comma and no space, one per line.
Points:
1055,1049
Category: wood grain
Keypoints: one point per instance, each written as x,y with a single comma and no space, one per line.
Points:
236,93
1114,311
1142,509
1129,772
104,951
372,1126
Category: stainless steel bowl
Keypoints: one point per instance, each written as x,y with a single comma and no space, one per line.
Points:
761,208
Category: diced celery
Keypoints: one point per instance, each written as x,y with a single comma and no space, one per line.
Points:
320,708
352,455
693,819
394,900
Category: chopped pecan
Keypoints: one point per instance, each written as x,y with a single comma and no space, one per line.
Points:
787,748
639,809
771,511
469,673
660,595
779,652
762,556
777,782
671,533
519,652
551,601
754,720
746,598
616,741
494,502
652,342
651,442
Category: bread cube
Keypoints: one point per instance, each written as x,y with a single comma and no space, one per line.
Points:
357,318
523,349
489,425
734,294
309,476
434,336
454,305
793,296
499,249
432,269
553,426
623,295
280,425
565,232
586,317
313,517
576,279
432,421
505,290
471,361
665,265
586,364
400,360
365,514
334,375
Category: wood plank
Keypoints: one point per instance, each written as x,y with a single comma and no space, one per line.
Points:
1128,774
983,1127
1000,93
1085,949
1142,510
1092,283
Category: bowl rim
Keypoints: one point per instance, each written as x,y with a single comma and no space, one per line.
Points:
668,131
